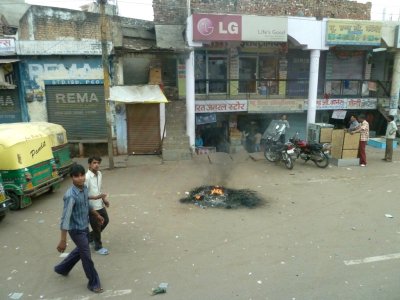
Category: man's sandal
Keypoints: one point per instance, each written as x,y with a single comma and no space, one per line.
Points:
98,290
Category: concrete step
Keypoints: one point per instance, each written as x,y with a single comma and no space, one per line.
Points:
176,155
175,140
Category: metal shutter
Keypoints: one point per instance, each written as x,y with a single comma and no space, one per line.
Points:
143,122
10,107
79,108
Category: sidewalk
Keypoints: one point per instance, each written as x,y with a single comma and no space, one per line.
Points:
124,161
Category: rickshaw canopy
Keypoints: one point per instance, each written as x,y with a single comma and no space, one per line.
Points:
23,146
56,132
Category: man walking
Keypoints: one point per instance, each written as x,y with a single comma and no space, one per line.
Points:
75,221
364,130
390,136
98,201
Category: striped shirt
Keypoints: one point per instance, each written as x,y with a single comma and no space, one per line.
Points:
75,213
364,129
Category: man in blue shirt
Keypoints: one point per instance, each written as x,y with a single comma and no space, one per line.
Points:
75,221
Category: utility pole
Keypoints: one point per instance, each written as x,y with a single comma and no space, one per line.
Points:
106,81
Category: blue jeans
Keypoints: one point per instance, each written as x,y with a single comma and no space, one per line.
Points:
81,252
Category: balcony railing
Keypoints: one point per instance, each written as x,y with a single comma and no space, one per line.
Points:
289,88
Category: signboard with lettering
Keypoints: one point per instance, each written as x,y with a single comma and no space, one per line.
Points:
80,109
212,27
10,108
352,32
7,47
207,27
259,28
214,106
345,103
276,105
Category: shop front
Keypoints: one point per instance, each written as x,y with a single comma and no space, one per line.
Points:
139,117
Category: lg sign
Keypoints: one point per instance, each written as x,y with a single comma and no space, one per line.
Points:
217,27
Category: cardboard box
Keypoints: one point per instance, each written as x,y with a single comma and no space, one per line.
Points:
155,76
351,141
336,152
337,138
350,154
326,135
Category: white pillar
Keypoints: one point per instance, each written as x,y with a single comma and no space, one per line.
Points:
313,86
190,104
395,90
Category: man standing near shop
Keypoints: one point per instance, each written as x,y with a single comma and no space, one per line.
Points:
98,202
390,136
364,130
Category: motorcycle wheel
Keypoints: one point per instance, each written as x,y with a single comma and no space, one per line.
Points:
321,160
289,163
270,155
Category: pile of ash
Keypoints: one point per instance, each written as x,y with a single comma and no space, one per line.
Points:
217,196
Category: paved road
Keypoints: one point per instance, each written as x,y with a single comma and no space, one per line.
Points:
322,234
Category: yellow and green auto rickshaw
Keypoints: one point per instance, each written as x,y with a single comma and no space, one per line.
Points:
27,164
4,200
59,144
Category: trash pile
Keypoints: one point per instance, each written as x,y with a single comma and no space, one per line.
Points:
221,197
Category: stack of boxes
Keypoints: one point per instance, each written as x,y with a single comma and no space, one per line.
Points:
344,144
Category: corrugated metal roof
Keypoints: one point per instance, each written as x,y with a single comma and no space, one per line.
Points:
8,60
137,94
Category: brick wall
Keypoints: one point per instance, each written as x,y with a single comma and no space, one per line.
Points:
55,23
175,11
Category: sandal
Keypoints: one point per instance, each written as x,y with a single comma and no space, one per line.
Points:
102,251
98,290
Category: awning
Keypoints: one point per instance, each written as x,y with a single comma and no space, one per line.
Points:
8,60
137,94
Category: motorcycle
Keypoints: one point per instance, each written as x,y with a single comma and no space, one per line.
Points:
316,152
275,150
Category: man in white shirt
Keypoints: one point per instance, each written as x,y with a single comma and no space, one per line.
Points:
97,201
390,136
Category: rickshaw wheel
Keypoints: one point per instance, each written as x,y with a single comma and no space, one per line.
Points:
15,200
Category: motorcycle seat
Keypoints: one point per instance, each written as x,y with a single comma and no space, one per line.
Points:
315,146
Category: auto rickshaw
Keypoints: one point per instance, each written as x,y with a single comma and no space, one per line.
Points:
4,200
27,164
59,144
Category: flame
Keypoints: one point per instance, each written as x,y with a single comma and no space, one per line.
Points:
217,191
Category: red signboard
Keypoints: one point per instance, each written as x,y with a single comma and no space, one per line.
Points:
217,27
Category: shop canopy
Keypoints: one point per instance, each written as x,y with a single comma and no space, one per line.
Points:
136,94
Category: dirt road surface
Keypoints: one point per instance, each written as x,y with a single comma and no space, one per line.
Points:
322,234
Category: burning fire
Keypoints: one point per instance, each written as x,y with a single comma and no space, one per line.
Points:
217,191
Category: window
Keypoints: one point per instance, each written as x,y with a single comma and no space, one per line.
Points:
247,74
210,72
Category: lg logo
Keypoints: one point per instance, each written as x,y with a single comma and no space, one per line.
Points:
206,27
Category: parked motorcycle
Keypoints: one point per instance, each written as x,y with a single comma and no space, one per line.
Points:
316,152
275,150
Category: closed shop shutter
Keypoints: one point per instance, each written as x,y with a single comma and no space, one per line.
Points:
143,128
10,107
79,109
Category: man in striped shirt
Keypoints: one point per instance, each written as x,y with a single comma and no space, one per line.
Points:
363,128
75,221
